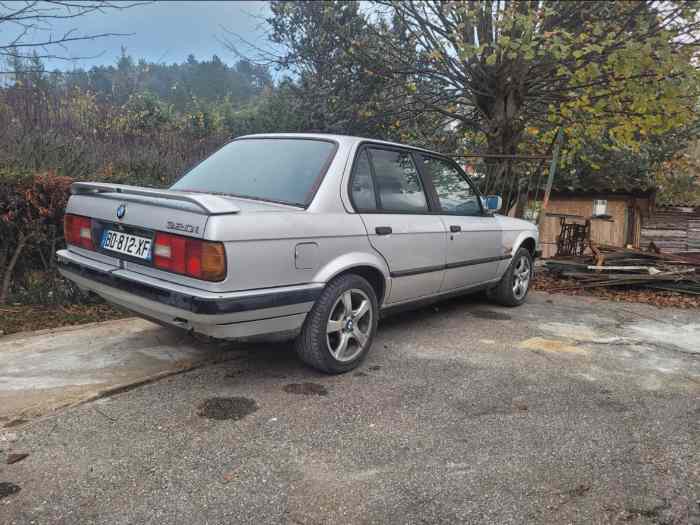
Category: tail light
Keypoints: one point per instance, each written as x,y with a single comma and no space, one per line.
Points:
77,230
199,259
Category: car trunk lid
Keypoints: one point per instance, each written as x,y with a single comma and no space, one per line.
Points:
148,209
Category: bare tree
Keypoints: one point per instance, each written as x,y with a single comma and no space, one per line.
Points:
26,27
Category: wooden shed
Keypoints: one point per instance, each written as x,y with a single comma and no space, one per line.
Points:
616,218
673,229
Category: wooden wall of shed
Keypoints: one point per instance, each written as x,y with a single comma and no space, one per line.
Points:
612,232
673,229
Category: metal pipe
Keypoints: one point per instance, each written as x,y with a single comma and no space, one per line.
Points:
497,156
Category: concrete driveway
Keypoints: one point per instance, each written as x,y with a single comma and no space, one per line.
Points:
50,369
566,410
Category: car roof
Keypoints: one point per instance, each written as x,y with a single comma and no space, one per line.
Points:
348,140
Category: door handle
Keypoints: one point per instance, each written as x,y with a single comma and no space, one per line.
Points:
454,228
383,230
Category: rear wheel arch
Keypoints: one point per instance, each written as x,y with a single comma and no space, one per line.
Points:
366,265
373,275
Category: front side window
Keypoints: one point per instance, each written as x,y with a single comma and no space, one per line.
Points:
276,169
397,181
455,194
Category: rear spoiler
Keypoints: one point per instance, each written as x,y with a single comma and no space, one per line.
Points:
210,204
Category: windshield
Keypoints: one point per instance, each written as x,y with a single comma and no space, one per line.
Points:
275,169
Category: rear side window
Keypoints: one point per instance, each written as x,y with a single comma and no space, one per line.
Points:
397,181
362,187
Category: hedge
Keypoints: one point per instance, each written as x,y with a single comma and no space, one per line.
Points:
31,230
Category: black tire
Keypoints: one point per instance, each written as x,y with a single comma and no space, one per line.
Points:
313,345
504,293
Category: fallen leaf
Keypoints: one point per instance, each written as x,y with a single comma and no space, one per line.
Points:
520,404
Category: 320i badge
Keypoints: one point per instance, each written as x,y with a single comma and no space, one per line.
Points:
189,228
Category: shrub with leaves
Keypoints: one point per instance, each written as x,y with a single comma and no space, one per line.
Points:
31,217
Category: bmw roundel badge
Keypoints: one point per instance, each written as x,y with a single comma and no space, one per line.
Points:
121,211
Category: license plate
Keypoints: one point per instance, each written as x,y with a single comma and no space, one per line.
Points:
127,244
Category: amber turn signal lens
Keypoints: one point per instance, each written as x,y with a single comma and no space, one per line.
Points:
192,257
213,261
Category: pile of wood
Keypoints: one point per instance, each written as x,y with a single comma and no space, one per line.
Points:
608,266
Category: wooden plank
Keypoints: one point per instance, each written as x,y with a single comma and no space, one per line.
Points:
648,269
665,232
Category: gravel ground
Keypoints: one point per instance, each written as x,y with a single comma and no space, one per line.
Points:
565,410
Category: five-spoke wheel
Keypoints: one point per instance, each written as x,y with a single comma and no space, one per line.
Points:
521,276
338,331
513,287
349,325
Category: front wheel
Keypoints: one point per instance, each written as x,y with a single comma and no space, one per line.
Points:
339,329
515,283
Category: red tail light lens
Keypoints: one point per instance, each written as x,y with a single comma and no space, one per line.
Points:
169,252
77,230
199,259
193,259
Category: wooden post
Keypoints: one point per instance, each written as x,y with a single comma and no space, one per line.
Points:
550,177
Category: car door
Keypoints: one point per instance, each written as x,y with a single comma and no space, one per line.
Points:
386,189
474,247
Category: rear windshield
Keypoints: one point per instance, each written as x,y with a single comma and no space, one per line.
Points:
280,170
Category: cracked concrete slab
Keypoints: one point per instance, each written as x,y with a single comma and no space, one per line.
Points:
684,336
40,372
580,332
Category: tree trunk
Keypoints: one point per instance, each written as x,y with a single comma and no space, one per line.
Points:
7,276
3,257
523,199
500,141
503,134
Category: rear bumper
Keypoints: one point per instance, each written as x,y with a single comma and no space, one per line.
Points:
229,315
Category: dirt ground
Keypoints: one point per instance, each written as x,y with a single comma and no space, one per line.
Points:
25,318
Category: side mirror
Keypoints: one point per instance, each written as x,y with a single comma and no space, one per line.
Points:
494,203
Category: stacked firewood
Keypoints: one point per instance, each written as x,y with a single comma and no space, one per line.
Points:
608,266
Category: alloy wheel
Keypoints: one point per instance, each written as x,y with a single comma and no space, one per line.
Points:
349,325
521,277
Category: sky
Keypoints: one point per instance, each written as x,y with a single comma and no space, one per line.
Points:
164,32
